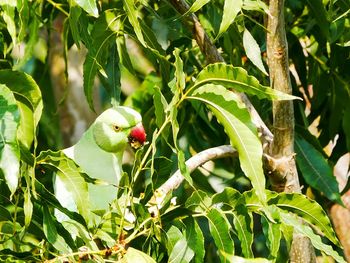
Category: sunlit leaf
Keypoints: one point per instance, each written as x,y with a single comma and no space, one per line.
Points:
198,4
9,148
195,239
243,223
8,14
252,50
305,230
315,170
181,252
70,175
89,6
220,231
230,11
51,233
27,207
308,209
238,79
237,259
233,115
133,255
133,16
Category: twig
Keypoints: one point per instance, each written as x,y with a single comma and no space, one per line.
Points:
192,164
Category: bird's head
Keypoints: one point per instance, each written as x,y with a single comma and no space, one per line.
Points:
117,126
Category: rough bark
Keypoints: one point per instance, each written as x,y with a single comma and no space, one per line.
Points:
281,162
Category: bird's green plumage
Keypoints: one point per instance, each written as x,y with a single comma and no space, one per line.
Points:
99,154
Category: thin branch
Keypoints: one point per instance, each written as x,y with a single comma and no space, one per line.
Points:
192,164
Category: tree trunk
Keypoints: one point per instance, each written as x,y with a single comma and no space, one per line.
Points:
281,162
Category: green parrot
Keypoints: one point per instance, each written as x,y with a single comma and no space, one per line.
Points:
99,154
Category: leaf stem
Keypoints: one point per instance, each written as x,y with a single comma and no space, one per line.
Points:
58,6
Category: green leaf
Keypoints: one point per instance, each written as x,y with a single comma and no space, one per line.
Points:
233,115
220,231
73,19
229,196
305,230
181,252
30,44
160,106
232,258
29,101
124,57
24,15
88,5
8,14
320,14
9,148
199,201
71,176
179,73
198,4
307,209
195,239
27,207
243,223
315,170
51,233
238,79
103,34
132,13
252,50
272,230
134,255
230,11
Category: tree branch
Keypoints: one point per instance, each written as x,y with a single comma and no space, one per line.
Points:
281,164
192,164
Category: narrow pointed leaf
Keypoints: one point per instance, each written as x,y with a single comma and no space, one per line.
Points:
220,231
230,11
307,209
198,4
9,148
315,170
243,223
238,79
305,230
233,115
181,252
89,6
71,176
24,85
273,233
134,255
51,233
132,13
252,50
103,35
195,239
8,14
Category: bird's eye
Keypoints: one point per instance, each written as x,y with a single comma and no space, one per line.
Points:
116,128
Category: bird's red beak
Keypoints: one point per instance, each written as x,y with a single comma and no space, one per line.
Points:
137,137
